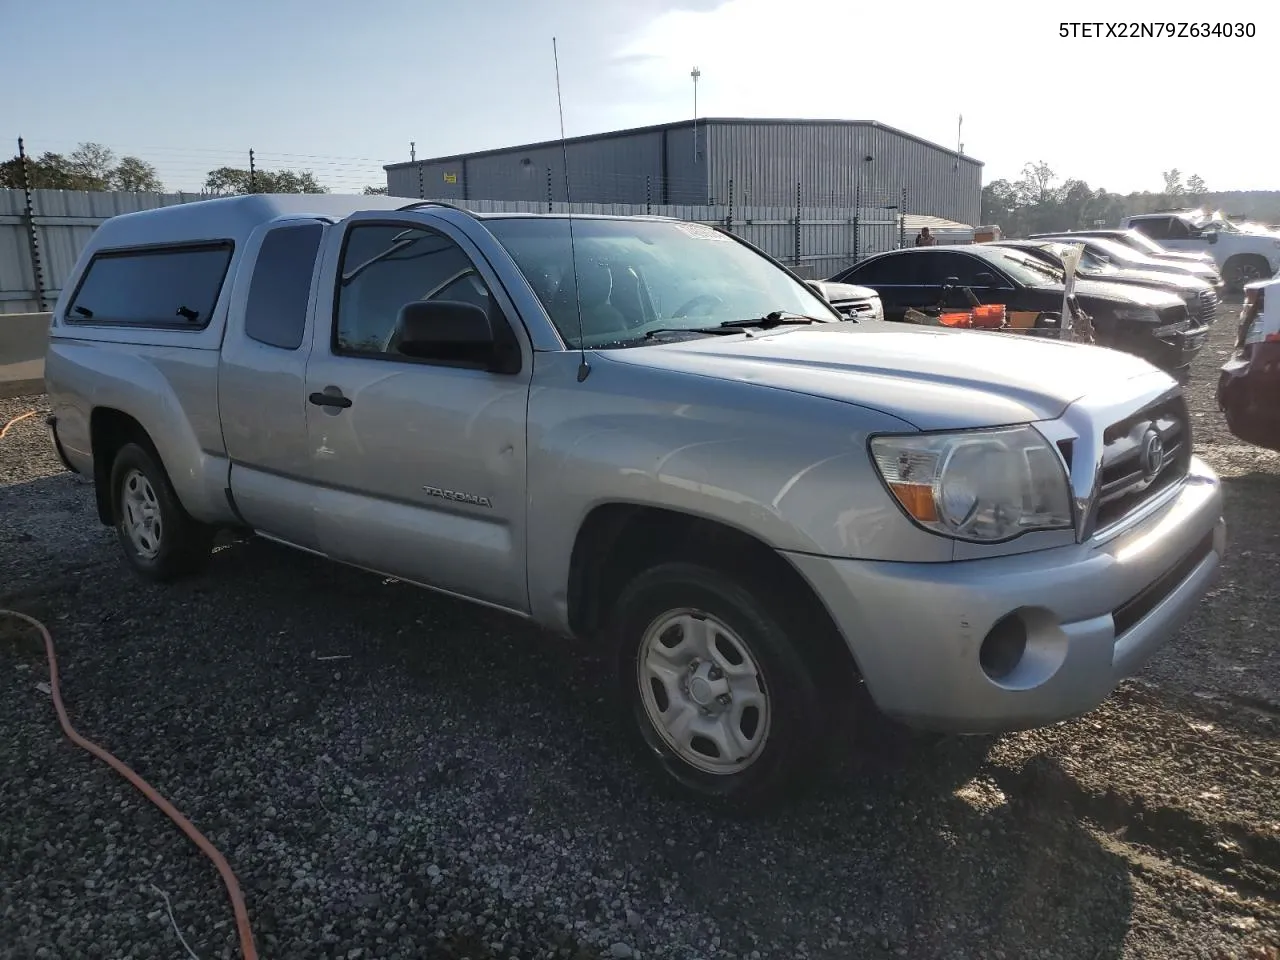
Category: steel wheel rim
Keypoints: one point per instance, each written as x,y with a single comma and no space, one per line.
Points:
703,692
140,514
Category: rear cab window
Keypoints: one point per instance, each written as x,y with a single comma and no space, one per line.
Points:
280,291
169,287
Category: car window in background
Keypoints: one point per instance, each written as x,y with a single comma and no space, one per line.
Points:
630,276
890,270
1157,228
965,269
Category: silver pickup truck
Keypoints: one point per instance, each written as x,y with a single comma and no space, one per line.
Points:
646,434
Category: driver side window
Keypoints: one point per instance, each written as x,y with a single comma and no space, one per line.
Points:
1157,228
1179,230
385,266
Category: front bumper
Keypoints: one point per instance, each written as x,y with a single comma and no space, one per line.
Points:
1093,614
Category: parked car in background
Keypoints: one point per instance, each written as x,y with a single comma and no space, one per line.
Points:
646,434
1199,295
851,302
1249,384
1139,242
1242,257
1153,324
1127,258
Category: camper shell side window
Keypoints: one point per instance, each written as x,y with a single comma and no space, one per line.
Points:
171,286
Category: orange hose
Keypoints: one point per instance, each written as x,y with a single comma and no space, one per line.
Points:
247,948
23,416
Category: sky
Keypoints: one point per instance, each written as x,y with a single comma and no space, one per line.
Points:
341,88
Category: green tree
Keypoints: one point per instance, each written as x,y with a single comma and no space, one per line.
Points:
1196,188
49,171
236,181
91,166
375,191
1036,184
136,176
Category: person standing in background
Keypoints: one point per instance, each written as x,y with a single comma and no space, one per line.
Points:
926,239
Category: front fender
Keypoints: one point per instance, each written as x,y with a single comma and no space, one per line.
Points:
788,469
171,392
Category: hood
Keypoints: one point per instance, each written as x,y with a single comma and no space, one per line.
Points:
1197,256
839,292
932,377
1128,293
1185,282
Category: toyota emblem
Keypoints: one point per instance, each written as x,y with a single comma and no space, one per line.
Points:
1152,455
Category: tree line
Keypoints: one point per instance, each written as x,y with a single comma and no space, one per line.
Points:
1040,202
94,167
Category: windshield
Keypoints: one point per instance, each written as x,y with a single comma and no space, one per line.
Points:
1026,268
639,276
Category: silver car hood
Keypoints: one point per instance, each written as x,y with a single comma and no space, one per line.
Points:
932,377
1127,293
1128,277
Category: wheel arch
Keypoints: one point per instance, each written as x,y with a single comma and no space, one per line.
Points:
617,541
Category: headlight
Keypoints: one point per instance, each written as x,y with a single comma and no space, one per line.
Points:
980,485
1140,314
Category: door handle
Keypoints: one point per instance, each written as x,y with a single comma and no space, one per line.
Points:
330,400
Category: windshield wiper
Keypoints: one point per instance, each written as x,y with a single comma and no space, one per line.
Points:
769,321
719,331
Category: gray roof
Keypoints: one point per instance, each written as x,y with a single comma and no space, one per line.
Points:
231,218
680,125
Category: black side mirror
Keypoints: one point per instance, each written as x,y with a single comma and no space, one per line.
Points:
985,280
451,332
1211,236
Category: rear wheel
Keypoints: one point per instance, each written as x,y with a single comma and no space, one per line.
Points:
160,539
724,703
1243,270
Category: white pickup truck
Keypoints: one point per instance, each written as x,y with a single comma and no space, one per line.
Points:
1242,256
647,434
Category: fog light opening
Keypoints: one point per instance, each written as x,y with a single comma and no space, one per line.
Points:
1003,647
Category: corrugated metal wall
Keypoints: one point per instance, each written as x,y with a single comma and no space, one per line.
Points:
64,220
763,162
767,161
615,169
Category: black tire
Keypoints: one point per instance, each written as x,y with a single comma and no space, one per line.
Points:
788,756
1242,270
181,545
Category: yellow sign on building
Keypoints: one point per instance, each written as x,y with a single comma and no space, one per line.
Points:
450,178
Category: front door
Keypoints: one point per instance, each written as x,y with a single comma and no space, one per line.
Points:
421,464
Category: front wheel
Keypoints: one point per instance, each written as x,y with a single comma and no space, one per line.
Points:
724,702
160,539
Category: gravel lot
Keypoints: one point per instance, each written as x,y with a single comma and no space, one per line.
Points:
394,774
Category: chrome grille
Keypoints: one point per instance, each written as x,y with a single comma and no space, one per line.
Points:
854,308
1207,306
1128,478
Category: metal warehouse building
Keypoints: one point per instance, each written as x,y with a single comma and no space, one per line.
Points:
829,163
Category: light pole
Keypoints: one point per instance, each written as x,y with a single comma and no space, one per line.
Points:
695,73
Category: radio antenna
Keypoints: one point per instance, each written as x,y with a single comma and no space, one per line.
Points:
584,369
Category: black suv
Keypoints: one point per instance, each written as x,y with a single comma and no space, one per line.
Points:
1153,324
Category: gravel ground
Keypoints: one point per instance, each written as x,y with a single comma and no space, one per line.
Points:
394,774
